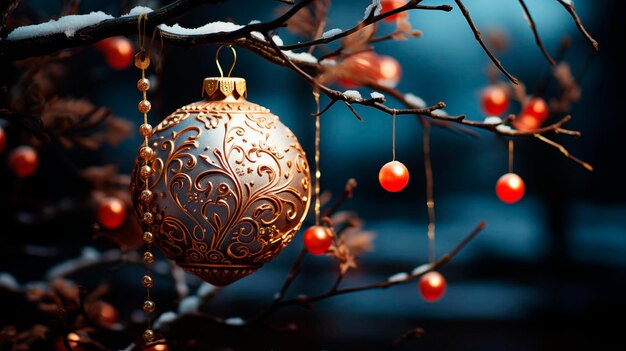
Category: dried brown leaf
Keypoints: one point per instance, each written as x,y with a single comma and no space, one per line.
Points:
359,40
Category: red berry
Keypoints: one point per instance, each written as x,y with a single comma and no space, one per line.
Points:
106,314
24,161
317,239
158,347
393,176
73,339
118,52
536,107
390,71
360,68
526,122
494,100
432,286
510,188
111,213
3,140
388,5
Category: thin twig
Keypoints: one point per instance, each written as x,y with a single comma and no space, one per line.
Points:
572,11
564,151
480,41
533,27
304,300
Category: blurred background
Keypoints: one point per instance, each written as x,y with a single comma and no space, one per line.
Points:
544,275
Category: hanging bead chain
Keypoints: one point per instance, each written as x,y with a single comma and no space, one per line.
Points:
510,155
318,174
142,61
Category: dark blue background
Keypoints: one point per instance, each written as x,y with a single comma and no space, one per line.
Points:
544,274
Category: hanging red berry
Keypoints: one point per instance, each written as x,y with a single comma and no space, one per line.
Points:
360,68
390,71
388,5
158,347
526,122
106,314
536,107
118,52
24,161
432,286
3,140
111,213
317,239
73,340
510,188
393,176
494,100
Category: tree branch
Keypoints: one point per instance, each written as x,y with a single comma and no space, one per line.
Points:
480,41
533,27
572,11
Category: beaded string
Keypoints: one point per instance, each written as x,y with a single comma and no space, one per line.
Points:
146,153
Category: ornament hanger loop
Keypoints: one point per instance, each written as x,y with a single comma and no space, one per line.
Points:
217,60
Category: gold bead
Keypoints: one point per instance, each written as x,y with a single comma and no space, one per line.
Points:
147,281
148,237
145,130
149,306
146,195
142,60
148,335
145,171
148,258
144,106
143,84
146,153
148,218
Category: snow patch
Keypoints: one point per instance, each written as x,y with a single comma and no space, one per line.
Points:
254,22
67,25
331,33
165,318
189,304
9,282
376,5
328,62
421,269
209,28
377,95
398,277
138,10
352,94
300,56
503,128
234,321
205,289
493,120
440,112
415,101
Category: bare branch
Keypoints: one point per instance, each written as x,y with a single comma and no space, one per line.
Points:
533,27
479,39
572,11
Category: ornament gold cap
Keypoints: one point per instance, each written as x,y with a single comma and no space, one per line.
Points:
218,88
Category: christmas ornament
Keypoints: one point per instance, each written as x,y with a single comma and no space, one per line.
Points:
393,176
228,183
390,71
510,188
157,347
24,161
3,140
494,100
118,52
317,239
388,5
111,213
432,286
